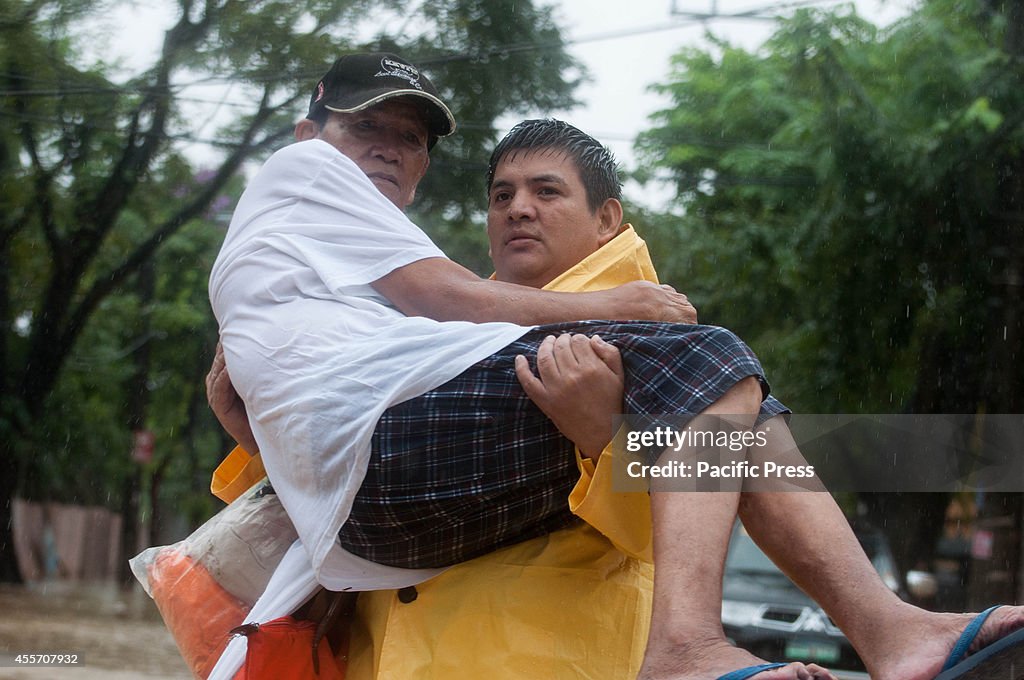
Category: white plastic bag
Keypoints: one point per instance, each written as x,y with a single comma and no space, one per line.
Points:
205,584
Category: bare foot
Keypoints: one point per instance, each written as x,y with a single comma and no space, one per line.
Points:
929,644
712,659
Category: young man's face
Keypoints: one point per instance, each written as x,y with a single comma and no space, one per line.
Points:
387,141
538,221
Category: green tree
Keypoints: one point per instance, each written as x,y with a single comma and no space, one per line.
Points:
852,203
95,187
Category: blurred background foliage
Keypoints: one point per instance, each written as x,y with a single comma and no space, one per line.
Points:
851,203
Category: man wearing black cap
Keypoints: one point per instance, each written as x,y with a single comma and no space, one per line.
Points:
393,98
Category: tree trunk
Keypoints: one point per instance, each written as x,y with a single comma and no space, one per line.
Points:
138,406
8,485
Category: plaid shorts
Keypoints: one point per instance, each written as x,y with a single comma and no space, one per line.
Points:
474,465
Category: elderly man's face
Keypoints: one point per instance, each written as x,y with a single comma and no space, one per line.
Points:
538,221
388,141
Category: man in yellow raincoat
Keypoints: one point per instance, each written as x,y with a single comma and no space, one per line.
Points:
576,603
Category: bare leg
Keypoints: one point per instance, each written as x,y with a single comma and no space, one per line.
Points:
807,536
691,536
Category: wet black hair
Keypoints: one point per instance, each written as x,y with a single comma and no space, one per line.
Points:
595,163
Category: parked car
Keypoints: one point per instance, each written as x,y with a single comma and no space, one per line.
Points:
766,614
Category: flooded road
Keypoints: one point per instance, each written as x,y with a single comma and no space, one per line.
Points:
118,635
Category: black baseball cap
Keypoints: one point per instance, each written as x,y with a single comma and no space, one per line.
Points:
358,81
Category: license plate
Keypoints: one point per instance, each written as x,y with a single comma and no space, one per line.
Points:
825,652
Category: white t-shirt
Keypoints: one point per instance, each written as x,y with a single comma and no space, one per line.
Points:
316,354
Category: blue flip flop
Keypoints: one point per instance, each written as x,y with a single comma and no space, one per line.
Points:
1001,660
749,671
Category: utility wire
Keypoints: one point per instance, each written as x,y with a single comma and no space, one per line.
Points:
767,13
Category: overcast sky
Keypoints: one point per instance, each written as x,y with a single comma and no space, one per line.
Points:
626,52
626,46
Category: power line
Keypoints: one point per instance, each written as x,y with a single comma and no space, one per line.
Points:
770,12
767,12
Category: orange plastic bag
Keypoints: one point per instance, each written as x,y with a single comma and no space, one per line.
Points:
197,611
204,584
282,649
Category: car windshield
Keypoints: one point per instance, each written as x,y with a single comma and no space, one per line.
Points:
745,557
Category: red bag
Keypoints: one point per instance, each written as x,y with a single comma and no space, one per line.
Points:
282,649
